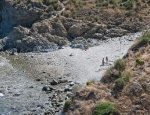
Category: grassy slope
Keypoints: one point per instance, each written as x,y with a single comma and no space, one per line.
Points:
112,12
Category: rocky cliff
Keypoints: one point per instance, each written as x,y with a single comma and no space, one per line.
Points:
37,25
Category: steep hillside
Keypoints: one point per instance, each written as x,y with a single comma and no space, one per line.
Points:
124,88
38,25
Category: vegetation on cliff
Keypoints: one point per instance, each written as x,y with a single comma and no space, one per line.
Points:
124,88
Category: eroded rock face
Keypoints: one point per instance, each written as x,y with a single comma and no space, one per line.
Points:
14,16
23,41
24,13
27,24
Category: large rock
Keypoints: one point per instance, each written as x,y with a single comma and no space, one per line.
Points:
42,27
59,29
13,16
21,39
79,42
56,39
115,32
77,30
95,29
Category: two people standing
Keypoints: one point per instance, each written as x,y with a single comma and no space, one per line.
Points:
103,61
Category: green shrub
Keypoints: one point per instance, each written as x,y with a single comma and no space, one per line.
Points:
120,65
89,82
139,61
67,105
128,4
144,40
126,76
110,75
105,108
119,84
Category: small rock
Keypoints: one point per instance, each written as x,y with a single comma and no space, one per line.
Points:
71,55
1,94
31,87
13,51
47,88
38,79
71,83
63,81
67,88
69,94
54,82
17,94
91,95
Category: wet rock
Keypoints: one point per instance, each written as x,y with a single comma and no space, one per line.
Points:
47,88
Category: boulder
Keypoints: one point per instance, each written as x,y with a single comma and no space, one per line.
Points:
47,88
80,42
42,27
77,30
59,29
134,89
56,39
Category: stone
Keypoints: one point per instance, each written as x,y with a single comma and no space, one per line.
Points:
71,83
54,82
91,95
67,88
63,81
47,88
1,94
77,30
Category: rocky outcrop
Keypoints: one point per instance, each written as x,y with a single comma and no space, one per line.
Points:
24,13
39,24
